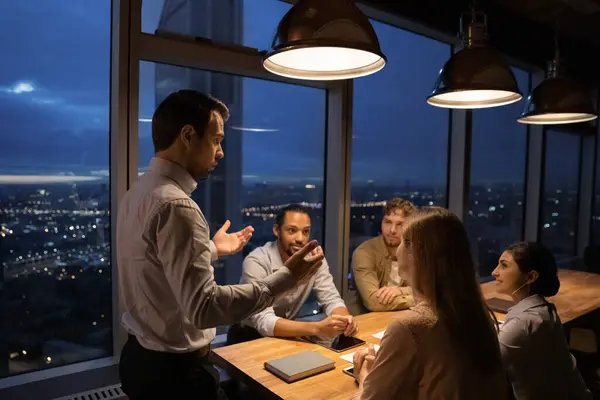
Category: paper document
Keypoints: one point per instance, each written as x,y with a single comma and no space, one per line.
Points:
349,357
379,335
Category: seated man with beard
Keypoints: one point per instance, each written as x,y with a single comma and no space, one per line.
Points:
374,264
292,230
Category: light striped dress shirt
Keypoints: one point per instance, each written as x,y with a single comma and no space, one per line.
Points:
169,297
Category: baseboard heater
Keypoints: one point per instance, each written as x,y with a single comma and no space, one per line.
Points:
113,392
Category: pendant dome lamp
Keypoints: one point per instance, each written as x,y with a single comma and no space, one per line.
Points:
558,99
324,40
477,76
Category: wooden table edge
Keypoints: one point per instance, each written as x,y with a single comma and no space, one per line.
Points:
241,376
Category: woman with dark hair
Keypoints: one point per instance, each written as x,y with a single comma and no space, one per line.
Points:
445,347
534,349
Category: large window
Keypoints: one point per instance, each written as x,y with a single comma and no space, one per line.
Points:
496,194
55,277
399,142
251,23
558,222
274,151
595,225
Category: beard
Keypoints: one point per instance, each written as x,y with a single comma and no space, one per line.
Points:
394,243
291,250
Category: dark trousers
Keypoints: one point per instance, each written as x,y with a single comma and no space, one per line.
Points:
240,334
147,374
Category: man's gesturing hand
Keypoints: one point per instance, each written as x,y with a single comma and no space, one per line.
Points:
306,261
231,243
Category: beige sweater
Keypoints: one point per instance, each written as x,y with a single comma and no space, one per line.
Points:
417,360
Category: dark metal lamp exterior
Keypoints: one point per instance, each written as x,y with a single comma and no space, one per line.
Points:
558,100
325,24
477,76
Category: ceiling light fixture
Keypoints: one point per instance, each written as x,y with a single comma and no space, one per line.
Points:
324,40
558,99
477,76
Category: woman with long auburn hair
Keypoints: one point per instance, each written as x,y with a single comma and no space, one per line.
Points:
445,347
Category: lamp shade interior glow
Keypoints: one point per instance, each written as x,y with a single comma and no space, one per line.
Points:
474,99
324,63
324,40
558,100
557,118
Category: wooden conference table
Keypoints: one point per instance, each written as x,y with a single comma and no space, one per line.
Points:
579,294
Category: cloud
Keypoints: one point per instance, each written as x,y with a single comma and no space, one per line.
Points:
249,129
46,101
18,88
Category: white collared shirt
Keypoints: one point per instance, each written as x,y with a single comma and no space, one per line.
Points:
266,260
169,297
394,278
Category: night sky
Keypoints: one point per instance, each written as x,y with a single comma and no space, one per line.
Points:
54,104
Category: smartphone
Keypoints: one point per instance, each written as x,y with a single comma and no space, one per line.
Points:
349,371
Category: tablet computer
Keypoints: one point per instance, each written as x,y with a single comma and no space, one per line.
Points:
339,343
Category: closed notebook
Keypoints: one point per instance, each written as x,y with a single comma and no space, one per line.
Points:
299,366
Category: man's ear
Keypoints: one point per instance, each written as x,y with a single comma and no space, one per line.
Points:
186,134
276,230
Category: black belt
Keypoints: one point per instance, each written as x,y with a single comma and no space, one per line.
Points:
199,353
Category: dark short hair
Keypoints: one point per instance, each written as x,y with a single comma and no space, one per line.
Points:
291,208
398,204
185,107
531,256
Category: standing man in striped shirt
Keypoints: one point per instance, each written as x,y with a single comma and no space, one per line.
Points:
171,303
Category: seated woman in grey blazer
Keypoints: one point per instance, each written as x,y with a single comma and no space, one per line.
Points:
534,349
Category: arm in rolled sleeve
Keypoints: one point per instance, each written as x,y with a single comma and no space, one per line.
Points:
365,276
266,322
326,292
269,324
184,250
